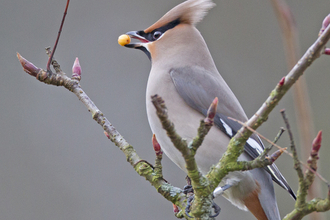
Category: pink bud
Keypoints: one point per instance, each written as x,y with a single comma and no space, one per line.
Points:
76,69
28,67
327,51
107,135
175,208
325,24
212,111
281,83
156,145
317,142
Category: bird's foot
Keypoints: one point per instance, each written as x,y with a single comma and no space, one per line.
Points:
215,207
188,189
216,210
187,209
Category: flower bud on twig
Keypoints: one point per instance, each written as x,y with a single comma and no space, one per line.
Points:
156,145
76,70
28,67
212,111
282,81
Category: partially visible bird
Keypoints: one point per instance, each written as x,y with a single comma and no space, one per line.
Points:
183,73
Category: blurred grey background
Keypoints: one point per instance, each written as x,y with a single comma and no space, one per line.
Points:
56,162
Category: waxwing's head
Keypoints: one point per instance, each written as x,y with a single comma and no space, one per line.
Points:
189,12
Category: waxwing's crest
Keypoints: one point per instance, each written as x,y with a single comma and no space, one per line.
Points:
188,12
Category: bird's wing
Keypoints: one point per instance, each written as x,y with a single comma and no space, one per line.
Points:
198,88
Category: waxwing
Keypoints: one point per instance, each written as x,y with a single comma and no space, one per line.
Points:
183,73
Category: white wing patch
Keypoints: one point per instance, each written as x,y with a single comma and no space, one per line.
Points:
255,145
260,149
228,129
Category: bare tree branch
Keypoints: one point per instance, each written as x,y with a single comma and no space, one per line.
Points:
143,168
236,145
203,185
301,98
282,149
203,193
302,207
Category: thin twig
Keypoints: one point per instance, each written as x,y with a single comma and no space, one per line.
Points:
168,126
204,127
279,147
58,36
269,148
302,207
302,188
293,146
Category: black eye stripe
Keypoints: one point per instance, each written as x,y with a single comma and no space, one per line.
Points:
168,26
150,36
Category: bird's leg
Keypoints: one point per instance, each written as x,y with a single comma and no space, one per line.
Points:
218,191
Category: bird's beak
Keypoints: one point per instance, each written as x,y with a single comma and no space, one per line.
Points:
135,35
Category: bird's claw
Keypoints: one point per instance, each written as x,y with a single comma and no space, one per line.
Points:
188,189
187,209
216,209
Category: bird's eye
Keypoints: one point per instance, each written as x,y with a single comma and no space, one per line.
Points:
156,35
